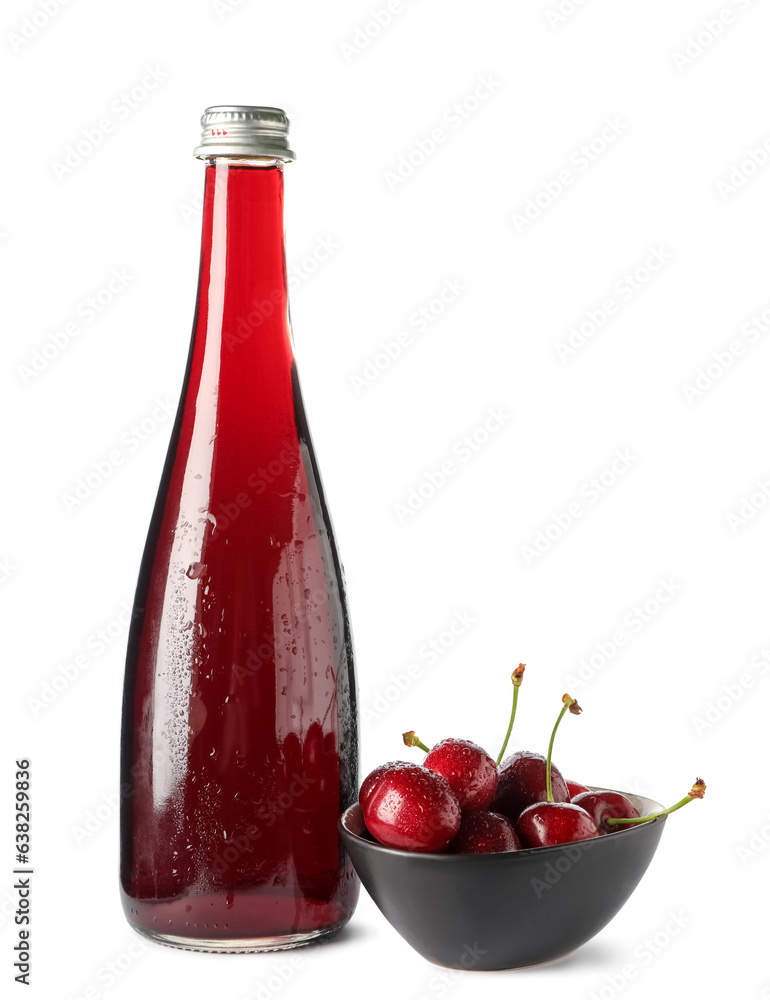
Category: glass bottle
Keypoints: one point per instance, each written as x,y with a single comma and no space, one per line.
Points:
240,728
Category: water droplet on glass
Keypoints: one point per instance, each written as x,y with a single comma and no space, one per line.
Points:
195,570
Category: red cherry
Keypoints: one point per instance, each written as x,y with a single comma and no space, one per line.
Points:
521,782
469,770
371,781
545,824
409,807
600,805
575,788
484,832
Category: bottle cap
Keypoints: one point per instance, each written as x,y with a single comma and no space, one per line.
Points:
243,130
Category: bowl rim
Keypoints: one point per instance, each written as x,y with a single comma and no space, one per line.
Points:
438,856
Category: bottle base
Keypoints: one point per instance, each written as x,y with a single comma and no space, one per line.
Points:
240,920
242,946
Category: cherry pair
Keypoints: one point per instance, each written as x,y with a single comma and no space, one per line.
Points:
419,808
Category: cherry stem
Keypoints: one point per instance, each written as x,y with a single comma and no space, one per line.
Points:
517,676
572,705
411,739
697,791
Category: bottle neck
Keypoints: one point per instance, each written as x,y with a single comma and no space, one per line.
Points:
239,386
242,297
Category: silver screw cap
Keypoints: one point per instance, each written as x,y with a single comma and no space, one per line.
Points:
243,130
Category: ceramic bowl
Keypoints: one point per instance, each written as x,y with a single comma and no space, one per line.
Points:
507,910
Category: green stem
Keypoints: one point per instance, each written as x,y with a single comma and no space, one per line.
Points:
516,677
411,739
548,789
510,725
696,792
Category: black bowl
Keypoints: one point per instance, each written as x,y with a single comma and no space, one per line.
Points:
507,910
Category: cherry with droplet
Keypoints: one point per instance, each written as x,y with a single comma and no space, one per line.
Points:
465,766
600,805
521,782
483,832
546,824
409,807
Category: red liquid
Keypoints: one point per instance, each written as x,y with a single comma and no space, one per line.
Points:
239,744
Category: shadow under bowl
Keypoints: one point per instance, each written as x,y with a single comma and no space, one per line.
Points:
508,910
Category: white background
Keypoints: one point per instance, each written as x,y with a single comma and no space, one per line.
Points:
656,709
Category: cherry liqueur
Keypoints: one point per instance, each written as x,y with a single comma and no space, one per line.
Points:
240,728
